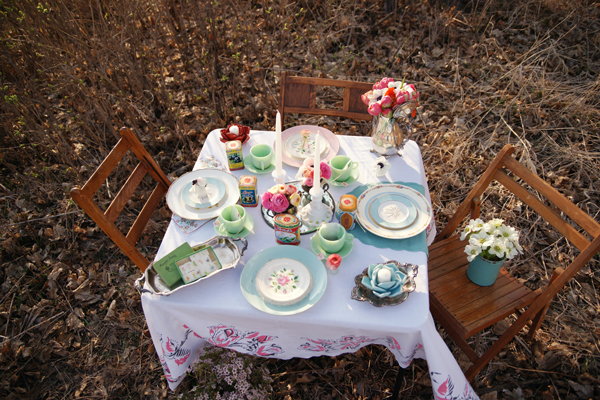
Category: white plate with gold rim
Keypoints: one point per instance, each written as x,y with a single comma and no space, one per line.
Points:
177,205
330,137
387,211
302,147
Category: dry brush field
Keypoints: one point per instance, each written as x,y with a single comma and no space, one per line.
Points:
72,72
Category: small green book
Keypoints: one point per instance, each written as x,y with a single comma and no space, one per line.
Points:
167,267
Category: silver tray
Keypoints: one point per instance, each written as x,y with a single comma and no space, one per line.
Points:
304,229
362,293
228,253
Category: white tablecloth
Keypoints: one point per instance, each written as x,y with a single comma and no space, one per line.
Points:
215,311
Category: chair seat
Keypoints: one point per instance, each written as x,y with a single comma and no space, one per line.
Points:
469,308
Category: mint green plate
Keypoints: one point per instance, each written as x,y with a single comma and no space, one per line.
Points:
306,257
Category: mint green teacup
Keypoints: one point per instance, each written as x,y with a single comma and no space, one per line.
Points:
333,237
341,168
232,222
262,156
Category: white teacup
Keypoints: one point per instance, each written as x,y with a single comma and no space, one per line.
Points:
333,237
232,221
341,167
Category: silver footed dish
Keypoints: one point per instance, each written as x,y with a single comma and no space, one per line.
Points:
361,293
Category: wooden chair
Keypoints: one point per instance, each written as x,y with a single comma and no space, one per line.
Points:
299,95
462,307
106,219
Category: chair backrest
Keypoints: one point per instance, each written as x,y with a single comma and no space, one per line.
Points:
548,203
84,196
299,95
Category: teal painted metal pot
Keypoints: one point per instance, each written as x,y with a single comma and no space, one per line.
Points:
484,272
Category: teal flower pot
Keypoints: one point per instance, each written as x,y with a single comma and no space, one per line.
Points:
484,272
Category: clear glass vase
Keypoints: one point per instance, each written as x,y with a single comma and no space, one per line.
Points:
391,134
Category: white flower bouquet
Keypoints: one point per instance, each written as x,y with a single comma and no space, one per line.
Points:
491,240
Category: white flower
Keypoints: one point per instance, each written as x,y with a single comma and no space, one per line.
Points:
472,251
508,232
496,222
465,233
474,225
482,238
511,250
497,248
491,240
381,167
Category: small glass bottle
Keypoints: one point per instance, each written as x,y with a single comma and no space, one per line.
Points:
333,263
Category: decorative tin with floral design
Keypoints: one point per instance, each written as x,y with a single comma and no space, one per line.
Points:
248,196
287,229
347,211
235,158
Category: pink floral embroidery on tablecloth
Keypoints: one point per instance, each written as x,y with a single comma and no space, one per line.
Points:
403,359
247,342
344,343
174,349
446,389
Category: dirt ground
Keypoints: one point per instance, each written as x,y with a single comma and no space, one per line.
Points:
73,72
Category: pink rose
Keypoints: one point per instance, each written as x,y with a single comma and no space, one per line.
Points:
266,200
325,171
375,109
282,280
279,203
308,182
290,189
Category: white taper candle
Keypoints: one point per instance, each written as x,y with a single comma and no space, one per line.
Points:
317,158
278,145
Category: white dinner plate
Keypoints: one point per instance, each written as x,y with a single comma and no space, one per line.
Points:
393,211
386,210
302,255
215,190
333,141
299,147
178,206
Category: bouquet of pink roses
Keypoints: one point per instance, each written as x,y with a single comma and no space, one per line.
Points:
387,95
307,173
281,199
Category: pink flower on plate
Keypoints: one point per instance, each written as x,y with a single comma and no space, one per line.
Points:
374,109
283,280
279,203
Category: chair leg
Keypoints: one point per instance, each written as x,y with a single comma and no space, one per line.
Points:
536,322
497,346
462,343
398,384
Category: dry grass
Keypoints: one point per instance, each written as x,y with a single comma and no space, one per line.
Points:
73,72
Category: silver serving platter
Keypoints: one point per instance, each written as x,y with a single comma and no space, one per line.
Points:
228,253
304,229
362,293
